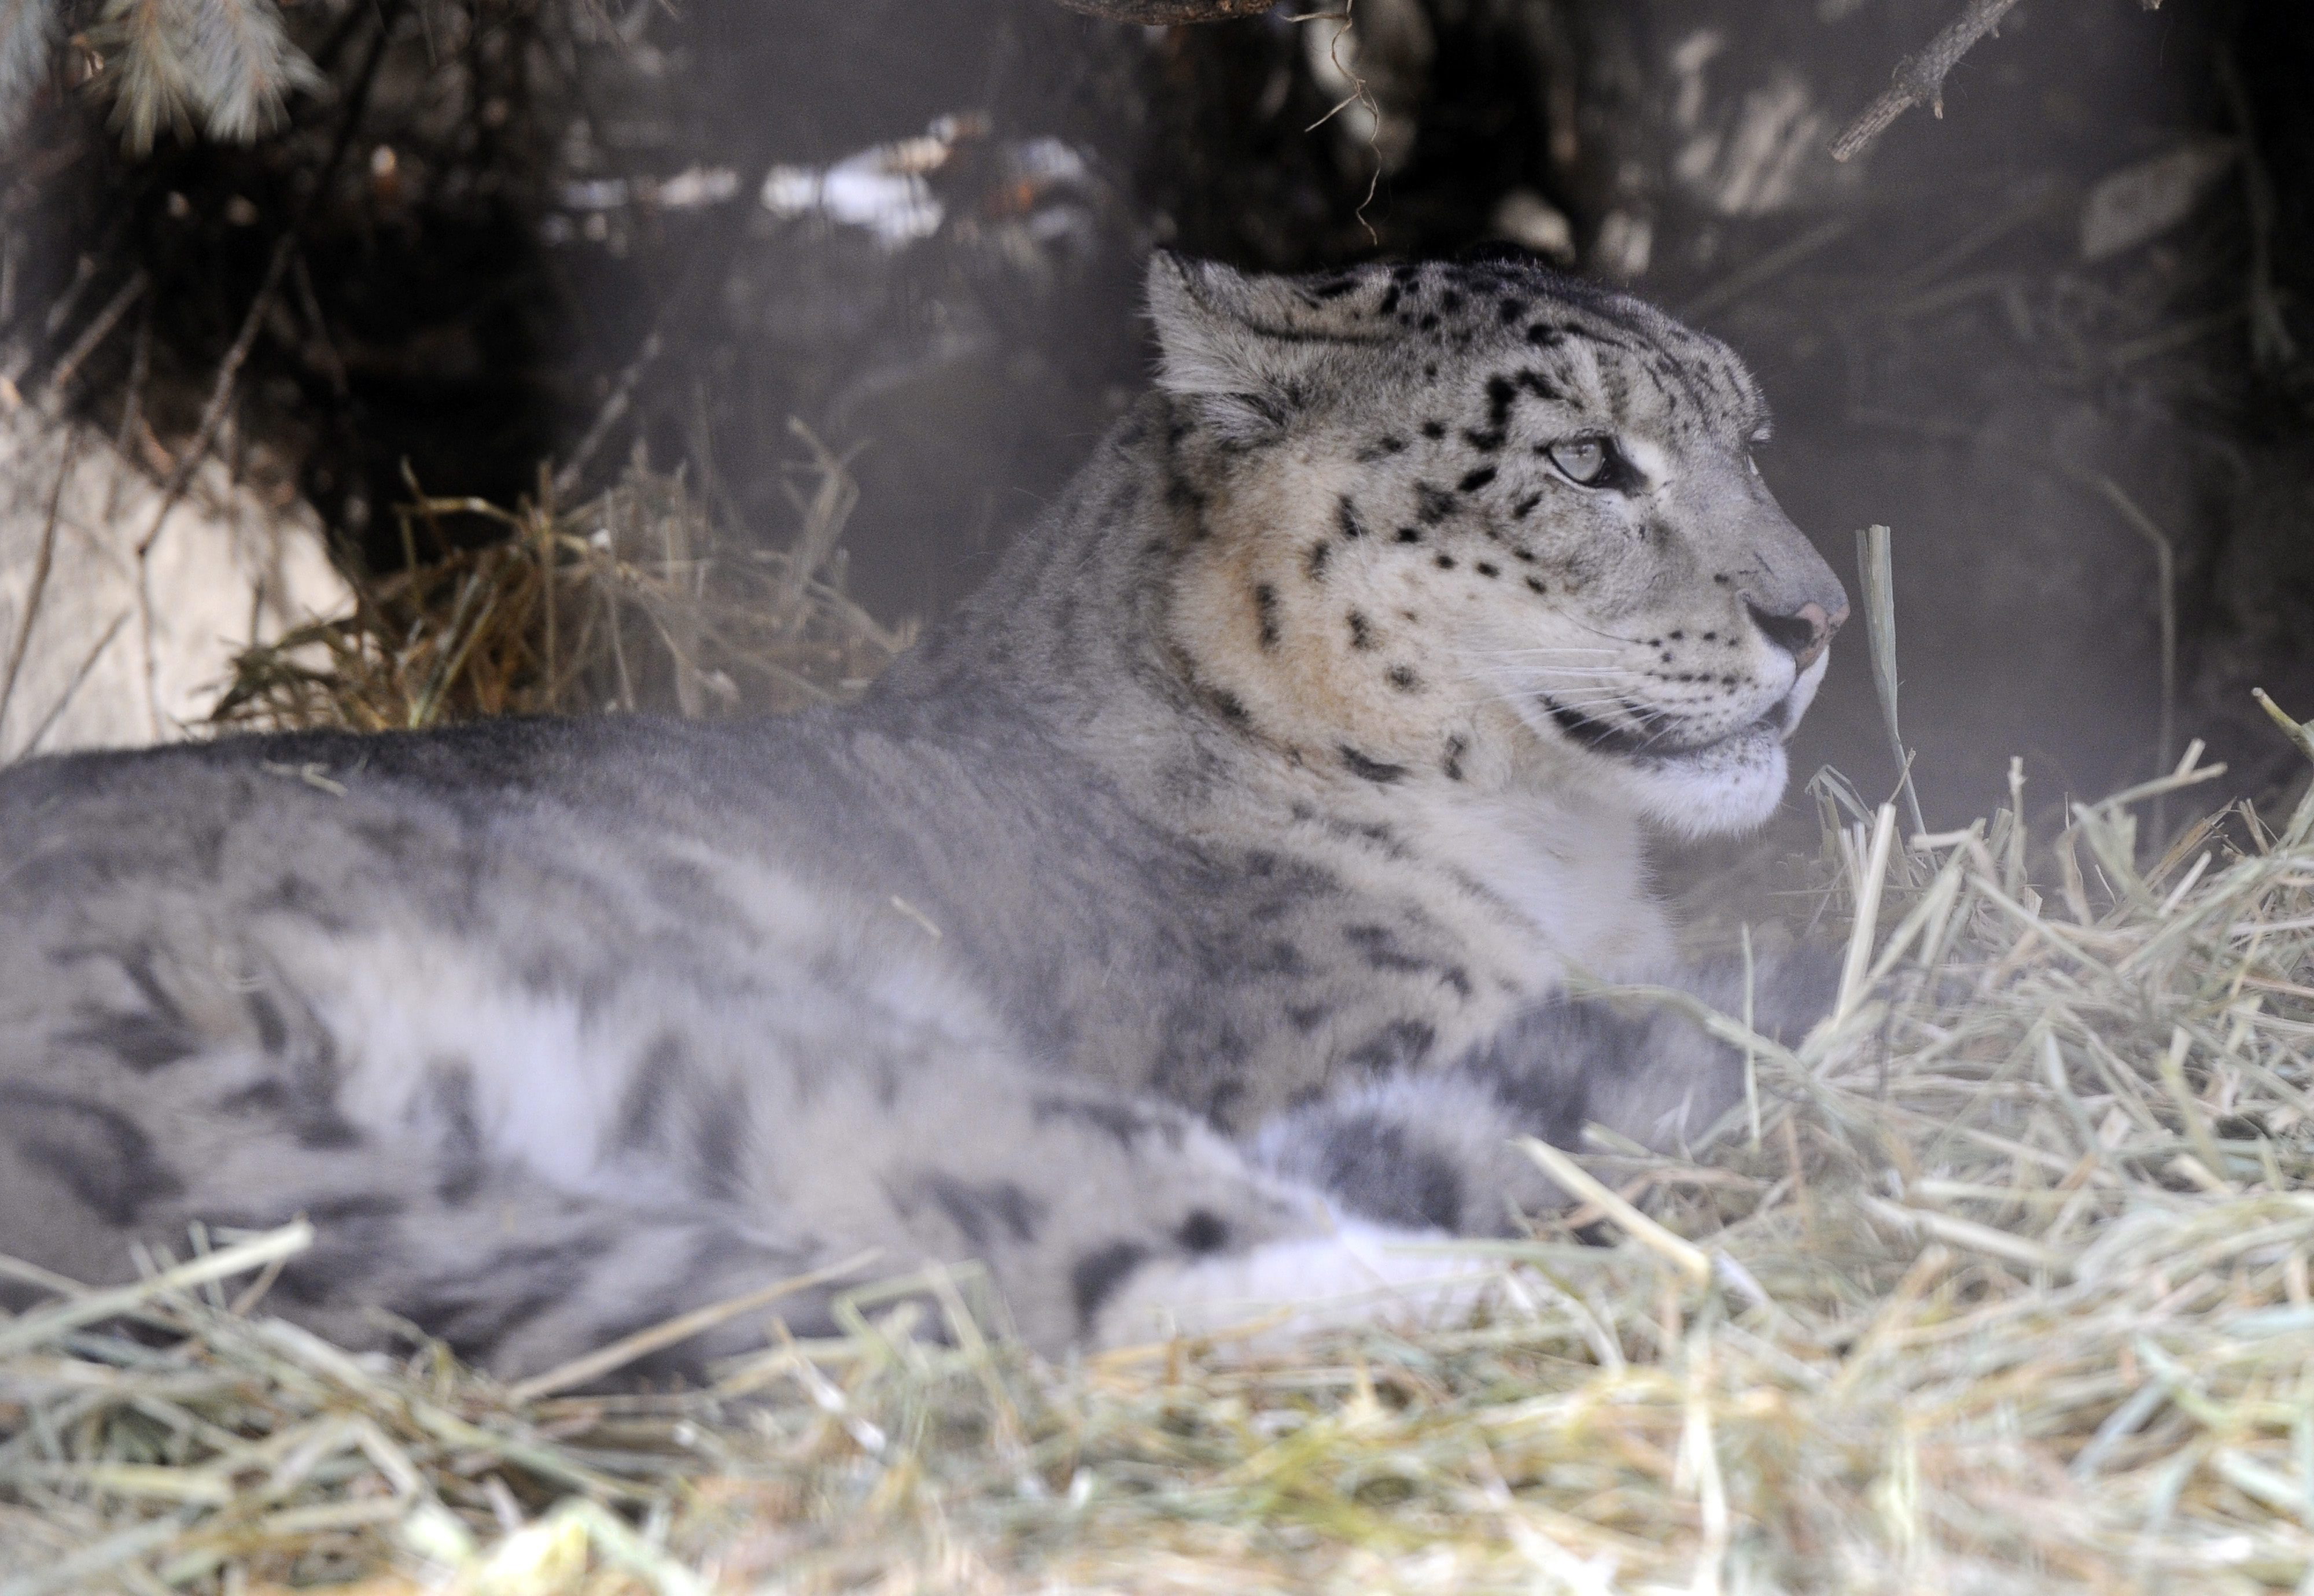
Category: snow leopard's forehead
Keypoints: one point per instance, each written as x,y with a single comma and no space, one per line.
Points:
1528,332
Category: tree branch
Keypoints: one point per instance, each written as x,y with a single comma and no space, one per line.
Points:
1919,77
1163,12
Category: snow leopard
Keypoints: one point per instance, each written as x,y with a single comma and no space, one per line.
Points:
1187,921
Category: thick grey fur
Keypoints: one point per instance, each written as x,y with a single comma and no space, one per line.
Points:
1071,950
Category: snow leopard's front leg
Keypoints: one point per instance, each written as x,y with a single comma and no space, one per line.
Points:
1438,1147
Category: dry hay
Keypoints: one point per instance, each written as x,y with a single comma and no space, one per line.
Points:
638,600
1998,1282
2005,1289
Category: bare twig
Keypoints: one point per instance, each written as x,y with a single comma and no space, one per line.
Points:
2271,344
830,506
333,364
1154,14
615,407
1768,267
99,328
42,564
1919,77
1360,95
2165,564
72,688
132,409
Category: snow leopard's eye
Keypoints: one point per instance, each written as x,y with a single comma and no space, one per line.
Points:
1584,459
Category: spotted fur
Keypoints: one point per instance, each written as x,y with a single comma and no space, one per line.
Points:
1185,919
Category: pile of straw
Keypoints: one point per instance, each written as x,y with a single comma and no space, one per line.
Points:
1998,1283
638,600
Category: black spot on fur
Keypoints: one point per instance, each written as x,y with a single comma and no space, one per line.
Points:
1432,503
1372,770
96,1152
1378,946
1119,1120
264,1097
293,894
642,1106
1381,448
1429,322
1227,705
320,1127
1374,1168
1346,516
1444,562
451,1088
1473,481
265,1015
1525,507
353,1206
475,1312
1203,1231
719,1135
1361,630
1265,608
1398,1045
981,1211
1434,429
1314,562
1276,957
1542,335
1455,748
1306,1017
1485,569
1409,534
1389,301
1403,677
1537,585
1095,1276
141,1039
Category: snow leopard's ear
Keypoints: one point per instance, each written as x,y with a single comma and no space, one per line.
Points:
1242,349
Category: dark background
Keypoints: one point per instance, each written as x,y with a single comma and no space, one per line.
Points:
505,267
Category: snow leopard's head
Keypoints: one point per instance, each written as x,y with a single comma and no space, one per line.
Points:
1484,523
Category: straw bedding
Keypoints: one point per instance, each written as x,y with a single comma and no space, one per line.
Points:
1998,1283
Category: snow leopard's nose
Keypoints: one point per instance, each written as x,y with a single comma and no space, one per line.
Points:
1803,634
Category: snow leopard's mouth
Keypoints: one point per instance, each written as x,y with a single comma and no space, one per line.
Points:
1661,745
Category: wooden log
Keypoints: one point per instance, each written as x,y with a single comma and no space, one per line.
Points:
1161,13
